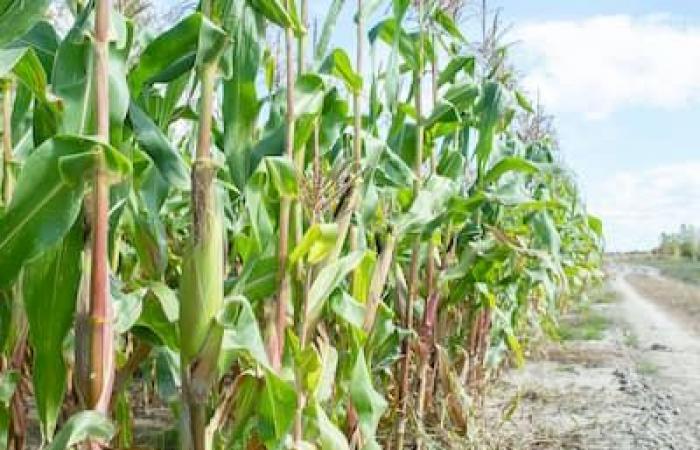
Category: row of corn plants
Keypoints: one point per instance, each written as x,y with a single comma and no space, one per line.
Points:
295,248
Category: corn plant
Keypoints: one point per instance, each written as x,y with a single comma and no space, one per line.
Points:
288,265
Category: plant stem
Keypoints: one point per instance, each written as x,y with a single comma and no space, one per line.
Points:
302,276
357,95
276,342
102,332
7,181
404,392
303,39
433,298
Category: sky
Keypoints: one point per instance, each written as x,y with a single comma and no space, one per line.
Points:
622,78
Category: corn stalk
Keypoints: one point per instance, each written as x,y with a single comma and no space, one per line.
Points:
101,316
413,281
433,296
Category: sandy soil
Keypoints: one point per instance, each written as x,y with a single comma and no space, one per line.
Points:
636,388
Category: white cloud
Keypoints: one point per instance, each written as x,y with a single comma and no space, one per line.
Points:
636,207
598,65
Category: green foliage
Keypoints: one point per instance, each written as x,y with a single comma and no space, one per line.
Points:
82,426
50,283
48,198
197,267
18,16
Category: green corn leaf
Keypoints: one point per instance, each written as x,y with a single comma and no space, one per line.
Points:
399,8
241,332
362,277
26,66
80,427
277,13
348,309
330,437
369,404
194,40
307,363
451,165
388,32
50,283
258,278
241,105
283,176
457,100
596,225
259,215
327,30
454,66
308,95
328,280
73,80
317,243
338,64
447,24
8,383
150,242
276,409
19,16
48,198
491,107
44,40
128,305
160,314
392,34
156,144
432,200
6,325
509,164
546,234
524,102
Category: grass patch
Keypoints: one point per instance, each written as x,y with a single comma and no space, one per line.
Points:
647,368
586,324
605,296
567,368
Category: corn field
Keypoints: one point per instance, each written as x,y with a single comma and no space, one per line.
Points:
282,244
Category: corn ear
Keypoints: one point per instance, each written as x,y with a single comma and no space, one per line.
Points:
202,288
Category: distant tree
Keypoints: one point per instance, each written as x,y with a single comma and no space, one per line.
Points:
682,244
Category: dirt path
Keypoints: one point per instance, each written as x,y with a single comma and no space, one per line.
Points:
669,347
636,387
